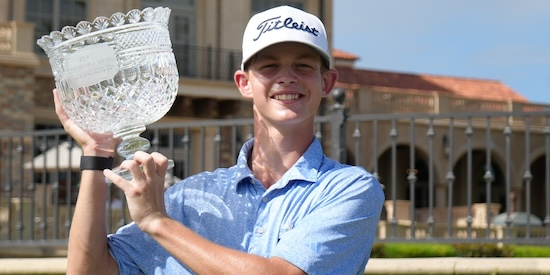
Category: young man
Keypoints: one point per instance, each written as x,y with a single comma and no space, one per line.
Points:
284,208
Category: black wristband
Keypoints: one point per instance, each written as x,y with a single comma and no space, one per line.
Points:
95,163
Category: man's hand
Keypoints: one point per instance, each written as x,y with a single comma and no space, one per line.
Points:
92,144
145,192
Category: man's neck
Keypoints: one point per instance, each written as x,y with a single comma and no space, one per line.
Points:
274,152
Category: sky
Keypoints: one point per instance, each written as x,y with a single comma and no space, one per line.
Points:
504,40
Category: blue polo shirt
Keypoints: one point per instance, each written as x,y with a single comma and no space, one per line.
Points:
321,216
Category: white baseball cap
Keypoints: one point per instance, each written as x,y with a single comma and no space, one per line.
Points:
284,24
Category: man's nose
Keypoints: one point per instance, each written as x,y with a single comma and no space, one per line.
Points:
287,75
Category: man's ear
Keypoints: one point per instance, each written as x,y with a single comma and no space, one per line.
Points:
329,81
241,79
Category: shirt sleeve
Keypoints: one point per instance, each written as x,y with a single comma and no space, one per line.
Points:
337,235
137,253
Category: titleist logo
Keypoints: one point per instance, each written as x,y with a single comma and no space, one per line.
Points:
275,23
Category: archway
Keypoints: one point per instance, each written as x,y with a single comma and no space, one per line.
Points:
538,188
403,188
479,190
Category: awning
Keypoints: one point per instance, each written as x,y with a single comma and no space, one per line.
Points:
518,218
57,157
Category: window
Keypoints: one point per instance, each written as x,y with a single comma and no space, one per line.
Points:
182,20
261,5
53,15
182,30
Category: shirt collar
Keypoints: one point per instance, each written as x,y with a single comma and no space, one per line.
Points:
306,168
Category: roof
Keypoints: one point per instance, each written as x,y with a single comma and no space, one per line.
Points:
339,54
444,85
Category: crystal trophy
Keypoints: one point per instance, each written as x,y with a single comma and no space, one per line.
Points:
116,74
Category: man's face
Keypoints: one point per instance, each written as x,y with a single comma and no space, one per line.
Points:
287,83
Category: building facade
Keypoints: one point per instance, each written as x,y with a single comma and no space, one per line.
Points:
432,157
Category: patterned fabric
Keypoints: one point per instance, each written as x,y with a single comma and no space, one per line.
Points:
321,216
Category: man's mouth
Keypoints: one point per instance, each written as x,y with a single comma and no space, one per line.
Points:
286,97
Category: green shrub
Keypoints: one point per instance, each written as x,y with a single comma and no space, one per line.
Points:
531,251
416,250
377,251
483,250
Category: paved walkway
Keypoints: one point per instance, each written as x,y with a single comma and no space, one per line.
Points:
33,266
416,266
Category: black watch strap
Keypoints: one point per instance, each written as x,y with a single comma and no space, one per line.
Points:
95,163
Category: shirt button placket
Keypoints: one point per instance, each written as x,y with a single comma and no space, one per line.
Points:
260,229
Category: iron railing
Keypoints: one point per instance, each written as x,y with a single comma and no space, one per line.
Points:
207,63
446,176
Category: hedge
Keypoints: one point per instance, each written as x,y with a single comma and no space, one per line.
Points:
419,250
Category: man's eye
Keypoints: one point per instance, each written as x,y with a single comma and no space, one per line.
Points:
303,65
269,66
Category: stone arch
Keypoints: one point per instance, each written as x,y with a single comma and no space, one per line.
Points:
478,187
402,185
539,192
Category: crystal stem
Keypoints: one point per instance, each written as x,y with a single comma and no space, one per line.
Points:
129,146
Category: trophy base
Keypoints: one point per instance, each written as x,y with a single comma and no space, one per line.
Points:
128,176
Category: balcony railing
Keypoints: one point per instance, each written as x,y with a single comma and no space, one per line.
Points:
446,176
206,62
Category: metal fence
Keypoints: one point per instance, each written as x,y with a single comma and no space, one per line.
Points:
206,62
447,177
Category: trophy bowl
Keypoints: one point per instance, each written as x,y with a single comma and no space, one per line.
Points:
115,74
